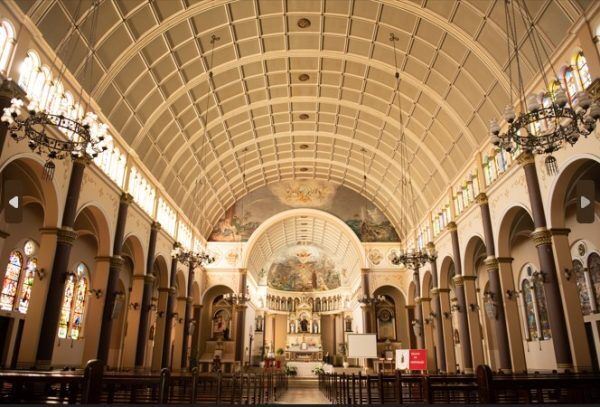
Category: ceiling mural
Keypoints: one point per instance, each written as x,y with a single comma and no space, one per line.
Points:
245,216
304,268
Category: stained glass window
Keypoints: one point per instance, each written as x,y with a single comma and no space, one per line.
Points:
582,287
582,69
540,298
11,281
530,317
73,308
594,268
25,296
571,83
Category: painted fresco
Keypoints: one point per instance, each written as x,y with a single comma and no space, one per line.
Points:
369,223
303,268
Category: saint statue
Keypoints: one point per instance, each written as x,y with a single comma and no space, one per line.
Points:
304,325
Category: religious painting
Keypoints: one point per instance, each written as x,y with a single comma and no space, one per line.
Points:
386,326
221,324
303,268
244,217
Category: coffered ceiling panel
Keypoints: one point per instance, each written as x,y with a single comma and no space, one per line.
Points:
292,73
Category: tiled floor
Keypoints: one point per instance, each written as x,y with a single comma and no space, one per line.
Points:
303,396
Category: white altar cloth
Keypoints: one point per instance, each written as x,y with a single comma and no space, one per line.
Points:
304,369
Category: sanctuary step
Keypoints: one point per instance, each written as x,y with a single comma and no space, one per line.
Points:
303,382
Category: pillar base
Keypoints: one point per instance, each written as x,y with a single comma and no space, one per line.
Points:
469,370
506,371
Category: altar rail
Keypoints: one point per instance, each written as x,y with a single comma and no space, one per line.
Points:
93,385
484,387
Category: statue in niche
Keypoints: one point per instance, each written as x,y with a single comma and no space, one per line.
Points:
303,325
315,327
292,328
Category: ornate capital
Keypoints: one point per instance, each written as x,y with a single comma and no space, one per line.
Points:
409,306
182,298
451,226
443,291
172,290
66,235
126,198
197,306
434,291
458,280
560,231
491,263
116,262
525,158
189,300
155,226
541,236
481,199
82,160
364,271
149,279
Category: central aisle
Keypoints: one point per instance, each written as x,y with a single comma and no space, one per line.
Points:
303,396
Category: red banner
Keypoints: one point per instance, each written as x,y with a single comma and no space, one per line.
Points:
417,359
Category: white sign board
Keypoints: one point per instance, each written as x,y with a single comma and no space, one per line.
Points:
402,359
362,346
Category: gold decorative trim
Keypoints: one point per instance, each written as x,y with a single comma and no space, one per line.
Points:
458,280
541,236
126,198
434,291
481,199
117,262
451,226
491,263
155,226
431,246
525,158
66,235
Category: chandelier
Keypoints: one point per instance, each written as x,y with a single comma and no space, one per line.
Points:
412,259
236,299
544,124
45,131
191,258
367,300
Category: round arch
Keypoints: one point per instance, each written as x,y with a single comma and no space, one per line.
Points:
509,219
93,221
160,267
473,255
426,284
132,247
446,265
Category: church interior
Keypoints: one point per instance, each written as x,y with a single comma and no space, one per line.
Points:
299,201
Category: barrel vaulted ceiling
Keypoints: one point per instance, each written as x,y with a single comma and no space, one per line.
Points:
305,101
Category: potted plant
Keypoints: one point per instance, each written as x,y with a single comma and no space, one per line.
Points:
344,352
317,370
291,370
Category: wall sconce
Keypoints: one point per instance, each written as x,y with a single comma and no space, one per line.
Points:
175,315
179,320
40,273
134,305
474,307
160,314
511,294
446,314
432,314
539,276
152,307
428,320
455,307
96,291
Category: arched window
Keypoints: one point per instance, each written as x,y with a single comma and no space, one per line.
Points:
74,301
583,288
7,41
553,87
570,83
11,281
583,72
28,71
594,270
534,302
25,296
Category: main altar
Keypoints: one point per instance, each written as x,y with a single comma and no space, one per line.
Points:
303,343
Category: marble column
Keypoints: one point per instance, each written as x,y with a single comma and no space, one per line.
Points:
418,321
65,238
472,310
447,330
412,339
166,353
241,318
463,324
495,288
366,309
542,239
116,264
142,336
437,313
428,323
197,312
188,317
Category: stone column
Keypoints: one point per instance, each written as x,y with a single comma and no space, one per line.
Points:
142,336
116,264
463,324
543,241
472,310
582,360
197,312
188,317
437,313
495,288
366,309
65,238
412,339
241,319
511,307
448,339
427,330
418,311
166,353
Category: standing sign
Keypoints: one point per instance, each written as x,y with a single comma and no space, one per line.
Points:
411,359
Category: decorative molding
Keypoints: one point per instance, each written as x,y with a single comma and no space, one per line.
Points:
491,263
541,236
458,280
155,226
66,235
481,199
451,226
425,299
116,262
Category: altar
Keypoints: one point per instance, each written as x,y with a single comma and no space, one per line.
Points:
303,343
304,369
296,354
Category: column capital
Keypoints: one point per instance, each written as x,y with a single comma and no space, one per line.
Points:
189,300
172,291
409,306
541,236
424,299
165,290
491,263
66,235
155,226
197,306
525,158
451,226
481,199
364,271
443,290
243,271
458,280
560,231
434,291
116,262
83,160
469,278
182,298
126,198
506,260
